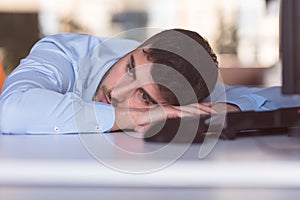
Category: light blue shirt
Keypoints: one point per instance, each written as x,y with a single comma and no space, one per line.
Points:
51,90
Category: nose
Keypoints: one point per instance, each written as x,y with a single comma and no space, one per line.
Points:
122,91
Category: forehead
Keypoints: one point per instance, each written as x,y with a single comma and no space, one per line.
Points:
140,56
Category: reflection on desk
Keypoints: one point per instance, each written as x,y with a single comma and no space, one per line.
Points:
34,165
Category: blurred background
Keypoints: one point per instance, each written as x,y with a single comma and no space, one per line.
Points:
243,33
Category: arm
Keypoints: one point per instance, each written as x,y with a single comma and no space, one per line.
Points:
253,98
140,120
38,96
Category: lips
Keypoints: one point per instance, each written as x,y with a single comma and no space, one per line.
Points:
106,96
107,100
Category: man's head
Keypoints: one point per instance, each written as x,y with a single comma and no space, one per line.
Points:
189,54
151,73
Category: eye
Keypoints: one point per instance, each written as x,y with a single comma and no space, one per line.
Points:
145,97
131,67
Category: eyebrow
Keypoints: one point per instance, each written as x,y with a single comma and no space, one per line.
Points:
152,100
132,63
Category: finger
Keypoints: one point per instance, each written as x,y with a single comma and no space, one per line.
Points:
158,113
141,129
205,109
196,109
200,105
206,103
182,111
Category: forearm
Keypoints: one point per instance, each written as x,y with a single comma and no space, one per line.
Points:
265,99
39,111
251,98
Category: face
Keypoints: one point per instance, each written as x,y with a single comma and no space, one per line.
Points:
129,83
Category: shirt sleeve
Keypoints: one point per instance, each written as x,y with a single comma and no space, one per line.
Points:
38,95
254,98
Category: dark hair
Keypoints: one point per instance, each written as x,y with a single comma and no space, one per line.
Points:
185,55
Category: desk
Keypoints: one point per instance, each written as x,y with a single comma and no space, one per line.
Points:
61,167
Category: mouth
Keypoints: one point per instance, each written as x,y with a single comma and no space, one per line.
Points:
102,95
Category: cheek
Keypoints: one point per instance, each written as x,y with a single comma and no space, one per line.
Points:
115,77
134,101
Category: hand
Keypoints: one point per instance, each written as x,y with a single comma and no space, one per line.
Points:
140,119
225,107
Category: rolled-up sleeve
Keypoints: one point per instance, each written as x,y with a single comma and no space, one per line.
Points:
254,98
38,96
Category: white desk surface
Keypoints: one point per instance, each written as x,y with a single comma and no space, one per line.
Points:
60,166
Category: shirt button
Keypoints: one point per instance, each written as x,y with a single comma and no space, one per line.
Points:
97,128
56,129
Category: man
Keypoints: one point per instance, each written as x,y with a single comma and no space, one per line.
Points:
78,83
